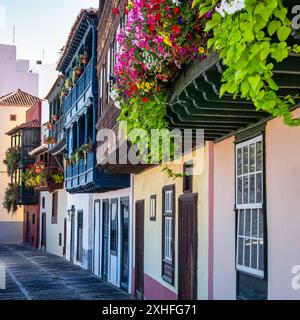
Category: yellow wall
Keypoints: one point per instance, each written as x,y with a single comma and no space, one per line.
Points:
7,125
151,182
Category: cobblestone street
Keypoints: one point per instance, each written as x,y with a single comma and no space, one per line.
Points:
36,275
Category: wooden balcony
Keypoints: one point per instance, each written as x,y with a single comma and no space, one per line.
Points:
81,95
108,120
83,177
50,184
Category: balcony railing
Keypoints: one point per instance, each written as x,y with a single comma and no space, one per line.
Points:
57,132
28,196
81,173
79,94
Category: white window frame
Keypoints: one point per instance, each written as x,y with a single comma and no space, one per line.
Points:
252,207
169,201
168,238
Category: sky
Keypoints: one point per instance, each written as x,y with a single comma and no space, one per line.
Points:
40,25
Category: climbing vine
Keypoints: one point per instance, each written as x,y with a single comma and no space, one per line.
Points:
250,36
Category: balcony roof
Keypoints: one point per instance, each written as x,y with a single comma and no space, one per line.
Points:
195,102
19,98
34,124
39,150
75,36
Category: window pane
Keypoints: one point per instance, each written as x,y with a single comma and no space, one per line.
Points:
247,252
240,251
252,157
261,224
259,188
241,222
252,188
114,227
245,189
248,223
259,156
240,190
254,254
239,161
261,256
254,223
245,160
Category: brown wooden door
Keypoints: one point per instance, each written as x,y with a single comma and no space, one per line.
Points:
187,250
139,249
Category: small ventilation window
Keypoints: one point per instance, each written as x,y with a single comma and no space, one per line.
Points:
13,117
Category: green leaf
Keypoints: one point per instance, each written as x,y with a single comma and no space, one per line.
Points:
280,14
245,88
273,27
254,81
264,12
204,10
216,18
273,84
283,33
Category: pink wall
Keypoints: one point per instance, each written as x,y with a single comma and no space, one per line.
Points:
224,283
15,73
283,206
34,113
154,290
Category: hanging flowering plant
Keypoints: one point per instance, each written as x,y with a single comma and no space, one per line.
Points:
160,36
39,175
35,175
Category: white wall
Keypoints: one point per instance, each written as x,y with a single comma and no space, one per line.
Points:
114,271
53,230
15,74
81,202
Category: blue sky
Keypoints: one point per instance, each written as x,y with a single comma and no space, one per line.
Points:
40,24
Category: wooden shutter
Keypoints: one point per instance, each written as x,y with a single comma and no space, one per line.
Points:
168,267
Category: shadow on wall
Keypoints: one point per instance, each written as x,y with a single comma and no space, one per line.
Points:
11,232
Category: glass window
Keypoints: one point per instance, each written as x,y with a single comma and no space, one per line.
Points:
114,227
249,194
153,208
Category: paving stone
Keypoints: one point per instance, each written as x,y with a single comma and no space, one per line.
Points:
35,275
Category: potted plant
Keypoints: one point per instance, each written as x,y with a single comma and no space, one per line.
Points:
78,70
50,140
55,117
90,146
73,158
84,58
49,125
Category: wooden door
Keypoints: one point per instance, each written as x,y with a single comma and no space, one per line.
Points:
188,247
139,249
43,235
